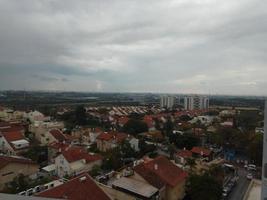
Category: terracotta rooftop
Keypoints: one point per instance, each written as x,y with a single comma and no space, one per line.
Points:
12,136
149,121
58,135
5,160
79,188
160,172
123,120
73,154
201,150
184,154
58,145
119,137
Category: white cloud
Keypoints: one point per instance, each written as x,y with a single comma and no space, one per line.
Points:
200,46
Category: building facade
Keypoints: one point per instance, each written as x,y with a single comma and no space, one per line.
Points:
167,102
196,103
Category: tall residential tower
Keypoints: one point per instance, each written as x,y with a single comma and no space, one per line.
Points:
196,102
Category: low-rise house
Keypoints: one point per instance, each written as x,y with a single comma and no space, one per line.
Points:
80,188
34,116
181,156
9,114
201,152
122,121
163,175
41,128
56,148
11,167
87,135
12,126
75,160
109,140
13,142
56,135
149,122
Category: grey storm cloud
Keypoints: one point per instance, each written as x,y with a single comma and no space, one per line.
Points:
176,46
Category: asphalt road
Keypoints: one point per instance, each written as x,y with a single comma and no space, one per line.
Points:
241,186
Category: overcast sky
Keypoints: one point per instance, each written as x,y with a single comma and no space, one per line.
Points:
172,46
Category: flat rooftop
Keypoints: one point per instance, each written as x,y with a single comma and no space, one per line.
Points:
135,186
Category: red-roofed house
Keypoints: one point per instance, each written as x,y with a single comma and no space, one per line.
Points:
181,156
201,152
164,175
148,119
122,121
106,141
11,167
75,160
53,135
13,142
54,149
82,187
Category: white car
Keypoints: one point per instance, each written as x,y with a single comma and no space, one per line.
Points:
249,176
252,167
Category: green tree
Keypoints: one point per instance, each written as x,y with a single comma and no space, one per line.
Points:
184,141
96,169
18,184
255,148
80,115
134,127
203,187
168,126
191,162
37,153
126,150
112,160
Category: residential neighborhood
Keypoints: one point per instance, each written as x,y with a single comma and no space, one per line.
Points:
128,152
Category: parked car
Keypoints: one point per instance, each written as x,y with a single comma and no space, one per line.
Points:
226,191
23,193
252,167
249,176
29,192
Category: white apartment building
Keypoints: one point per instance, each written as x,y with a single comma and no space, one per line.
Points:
196,102
167,102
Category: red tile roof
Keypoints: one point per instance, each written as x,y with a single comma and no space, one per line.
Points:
149,121
58,145
8,126
73,154
12,136
184,154
118,137
58,135
5,160
123,120
160,172
79,188
201,151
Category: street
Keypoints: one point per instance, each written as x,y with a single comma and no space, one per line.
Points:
241,187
